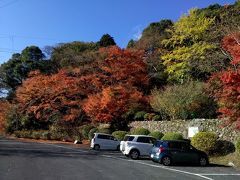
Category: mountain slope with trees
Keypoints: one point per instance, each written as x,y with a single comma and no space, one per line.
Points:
152,79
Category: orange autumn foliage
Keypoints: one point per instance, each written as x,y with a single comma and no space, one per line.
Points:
125,76
122,71
125,66
44,96
111,103
227,82
231,44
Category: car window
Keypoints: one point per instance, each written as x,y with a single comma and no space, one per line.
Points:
175,145
128,138
102,136
111,138
185,146
152,140
144,140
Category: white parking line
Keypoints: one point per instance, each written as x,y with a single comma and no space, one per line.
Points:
205,174
138,162
171,169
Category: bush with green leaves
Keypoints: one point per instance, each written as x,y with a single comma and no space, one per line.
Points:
156,118
46,135
224,147
119,135
85,130
91,133
205,141
156,134
23,134
57,135
139,116
184,101
140,131
172,136
36,134
237,146
104,130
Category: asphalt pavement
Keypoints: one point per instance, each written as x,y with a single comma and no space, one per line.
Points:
42,161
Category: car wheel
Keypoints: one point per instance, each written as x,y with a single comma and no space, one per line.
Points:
203,161
118,148
96,147
134,154
166,161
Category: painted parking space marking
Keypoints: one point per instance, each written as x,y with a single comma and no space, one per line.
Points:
209,174
142,163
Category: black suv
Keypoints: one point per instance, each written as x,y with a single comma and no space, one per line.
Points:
168,152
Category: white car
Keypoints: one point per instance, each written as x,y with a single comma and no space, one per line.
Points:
104,141
134,146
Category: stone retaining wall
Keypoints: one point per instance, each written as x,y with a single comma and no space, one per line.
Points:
228,133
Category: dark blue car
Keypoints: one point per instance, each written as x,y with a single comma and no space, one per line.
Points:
169,152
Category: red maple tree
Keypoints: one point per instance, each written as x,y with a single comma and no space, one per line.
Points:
45,96
227,83
111,103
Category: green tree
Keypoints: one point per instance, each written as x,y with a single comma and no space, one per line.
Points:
131,44
16,69
184,101
106,40
74,54
186,43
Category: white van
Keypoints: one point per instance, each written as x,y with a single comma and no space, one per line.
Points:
104,141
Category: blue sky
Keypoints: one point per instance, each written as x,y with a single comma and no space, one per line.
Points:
48,22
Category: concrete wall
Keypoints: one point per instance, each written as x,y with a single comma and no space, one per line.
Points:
225,133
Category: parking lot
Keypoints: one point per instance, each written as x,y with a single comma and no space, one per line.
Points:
29,160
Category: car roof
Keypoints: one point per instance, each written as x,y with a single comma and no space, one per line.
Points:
174,140
139,135
103,134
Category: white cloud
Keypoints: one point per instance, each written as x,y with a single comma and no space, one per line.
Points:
137,32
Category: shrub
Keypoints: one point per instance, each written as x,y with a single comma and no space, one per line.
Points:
140,131
149,116
139,116
183,102
23,134
237,146
224,147
104,130
156,118
45,135
156,134
36,134
172,136
56,135
119,135
205,141
85,130
91,133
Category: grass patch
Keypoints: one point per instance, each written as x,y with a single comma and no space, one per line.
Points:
225,160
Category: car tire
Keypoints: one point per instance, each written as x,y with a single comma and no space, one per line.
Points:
96,147
134,154
203,161
118,148
166,161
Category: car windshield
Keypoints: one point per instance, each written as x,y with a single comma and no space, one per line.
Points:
128,138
